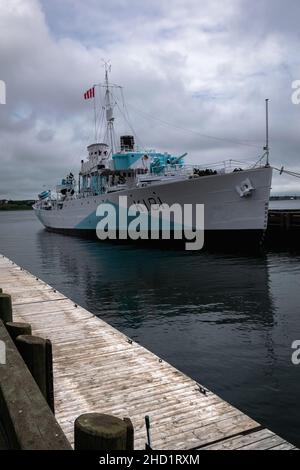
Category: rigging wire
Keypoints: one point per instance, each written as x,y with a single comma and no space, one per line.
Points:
100,125
101,116
126,117
288,172
125,107
222,139
130,126
259,160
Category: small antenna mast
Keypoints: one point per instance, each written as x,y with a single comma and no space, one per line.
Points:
267,148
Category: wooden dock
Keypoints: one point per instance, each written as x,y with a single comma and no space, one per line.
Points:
98,369
284,220
283,229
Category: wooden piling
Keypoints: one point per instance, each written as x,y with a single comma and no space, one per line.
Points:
37,355
27,422
130,434
96,431
5,308
16,329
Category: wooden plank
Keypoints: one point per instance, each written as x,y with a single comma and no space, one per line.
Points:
285,446
263,444
239,441
207,432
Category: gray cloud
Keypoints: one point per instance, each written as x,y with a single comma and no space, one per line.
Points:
203,66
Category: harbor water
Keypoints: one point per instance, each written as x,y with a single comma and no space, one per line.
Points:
227,321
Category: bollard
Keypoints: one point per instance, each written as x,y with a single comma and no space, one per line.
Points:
5,308
96,431
37,355
130,434
16,329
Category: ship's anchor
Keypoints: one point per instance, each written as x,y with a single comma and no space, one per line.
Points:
245,189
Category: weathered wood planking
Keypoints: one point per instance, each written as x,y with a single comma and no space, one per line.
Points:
96,368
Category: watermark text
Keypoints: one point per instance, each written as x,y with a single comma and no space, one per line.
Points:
2,353
2,92
296,94
296,353
156,222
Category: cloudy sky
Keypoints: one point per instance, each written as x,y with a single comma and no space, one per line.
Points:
195,75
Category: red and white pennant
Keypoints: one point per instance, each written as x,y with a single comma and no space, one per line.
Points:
89,93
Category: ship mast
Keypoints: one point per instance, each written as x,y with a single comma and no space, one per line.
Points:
109,109
267,148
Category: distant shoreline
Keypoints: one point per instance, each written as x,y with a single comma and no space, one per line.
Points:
6,205
15,208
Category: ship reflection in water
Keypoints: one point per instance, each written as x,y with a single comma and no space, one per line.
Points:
130,285
227,321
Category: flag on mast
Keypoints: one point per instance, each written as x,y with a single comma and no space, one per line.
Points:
89,93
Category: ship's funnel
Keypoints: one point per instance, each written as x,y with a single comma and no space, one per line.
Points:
126,143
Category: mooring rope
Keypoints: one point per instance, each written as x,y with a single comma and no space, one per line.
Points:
288,172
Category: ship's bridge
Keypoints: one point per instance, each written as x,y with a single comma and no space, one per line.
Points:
98,154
